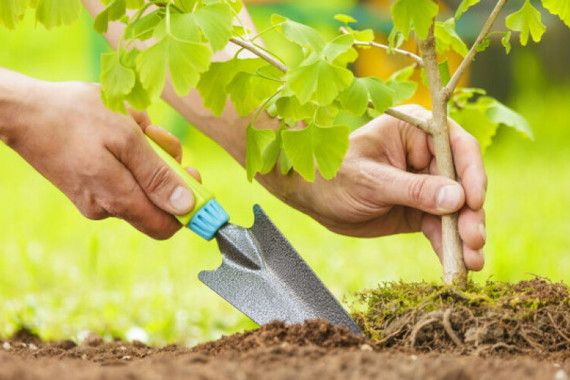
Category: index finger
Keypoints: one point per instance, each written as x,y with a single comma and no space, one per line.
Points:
469,165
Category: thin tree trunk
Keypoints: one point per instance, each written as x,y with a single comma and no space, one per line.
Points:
454,271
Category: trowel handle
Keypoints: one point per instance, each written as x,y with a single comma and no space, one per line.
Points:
208,216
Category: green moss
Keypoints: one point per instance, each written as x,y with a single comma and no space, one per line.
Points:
392,311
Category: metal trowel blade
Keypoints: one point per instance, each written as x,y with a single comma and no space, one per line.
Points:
265,278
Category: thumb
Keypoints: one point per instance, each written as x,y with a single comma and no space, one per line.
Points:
436,195
159,182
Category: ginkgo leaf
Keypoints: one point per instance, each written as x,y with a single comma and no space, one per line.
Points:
248,91
318,80
143,28
527,21
262,152
213,85
446,38
338,46
501,114
215,20
117,81
183,60
364,91
560,8
289,108
403,87
52,13
114,11
315,147
464,7
484,115
346,19
11,12
299,34
416,15
475,120
506,42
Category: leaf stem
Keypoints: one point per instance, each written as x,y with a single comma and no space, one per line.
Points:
259,52
452,84
378,45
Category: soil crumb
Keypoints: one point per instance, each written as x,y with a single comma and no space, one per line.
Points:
530,317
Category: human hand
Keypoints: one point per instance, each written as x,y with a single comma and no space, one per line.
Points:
101,159
388,184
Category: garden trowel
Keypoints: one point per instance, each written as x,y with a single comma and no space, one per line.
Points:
261,273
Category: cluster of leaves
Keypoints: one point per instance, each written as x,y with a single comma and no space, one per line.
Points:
315,97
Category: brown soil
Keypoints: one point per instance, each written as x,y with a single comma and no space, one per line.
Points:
309,351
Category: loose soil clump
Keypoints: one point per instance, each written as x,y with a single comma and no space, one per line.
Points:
530,317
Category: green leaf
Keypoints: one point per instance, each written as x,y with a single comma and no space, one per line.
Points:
447,38
11,12
248,91
416,15
501,114
527,21
367,90
52,13
114,11
289,108
506,42
464,7
213,85
444,73
475,120
117,81
560,8
483,45
299,34
484,115
315,147
183,60
318,80
346,19
263,148
215,20
143,28
400,83
338,46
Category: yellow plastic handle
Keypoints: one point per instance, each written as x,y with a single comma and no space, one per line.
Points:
201,194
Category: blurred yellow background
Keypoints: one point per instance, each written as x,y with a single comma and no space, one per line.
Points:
63,275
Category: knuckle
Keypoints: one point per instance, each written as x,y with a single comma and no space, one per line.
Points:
165,229
416,190
158,179
92,211
115,207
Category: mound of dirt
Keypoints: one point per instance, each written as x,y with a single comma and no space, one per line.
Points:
530,317
311,333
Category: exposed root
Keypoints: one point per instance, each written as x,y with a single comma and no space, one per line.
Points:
531,317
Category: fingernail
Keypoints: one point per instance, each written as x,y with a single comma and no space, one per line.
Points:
448,198
181,200
483,231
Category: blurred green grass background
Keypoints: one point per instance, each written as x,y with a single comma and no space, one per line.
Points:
63,275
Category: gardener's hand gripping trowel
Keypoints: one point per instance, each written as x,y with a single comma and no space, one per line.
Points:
261,273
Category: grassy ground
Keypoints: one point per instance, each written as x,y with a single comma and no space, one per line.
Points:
64,275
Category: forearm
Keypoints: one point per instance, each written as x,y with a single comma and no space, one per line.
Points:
228,130
17,104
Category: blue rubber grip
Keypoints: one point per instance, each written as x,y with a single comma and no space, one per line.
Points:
209,219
